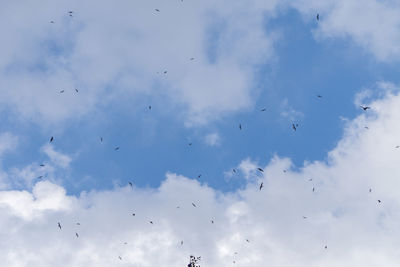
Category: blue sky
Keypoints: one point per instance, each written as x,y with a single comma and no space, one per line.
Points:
126,57
153,142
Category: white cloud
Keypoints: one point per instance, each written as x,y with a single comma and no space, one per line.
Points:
341,214
123,47
371,24
56,157
213,139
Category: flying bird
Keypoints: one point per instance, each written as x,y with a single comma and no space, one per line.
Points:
317,16
370,190
261,170
51,139
157,10
294,127
379,201
234,170
313,189
52,22
190,144
149,107
198,176
130,184
62,91
117,148
41,165
194,205
247,241
319,96
304,217
261,185
192,58
165,72
133,214
151,222
181,242
397,147
212,221
119,257
76,235
59,225
76,90
101,139
365,107
326,247
240,126
78,223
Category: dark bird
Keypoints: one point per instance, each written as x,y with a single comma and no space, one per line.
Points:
261,170
70,13
192,58
181,242
198,176
319,96
78,224
379,201
247,241
370,190
62,91
130,184
149,107
304,217
261,185
397,147
51,139
234,170
326,247
194,205
151,222
76,90
365,107
310,179
52,22
313,189
117,148
76,235
212,221
264,109
190,144
119,257
165,72
59,225
240,126
101,139
41,165
157,10
40,177
366,127
133,214
294,127
317,16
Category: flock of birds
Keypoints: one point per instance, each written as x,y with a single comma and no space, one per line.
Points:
194,261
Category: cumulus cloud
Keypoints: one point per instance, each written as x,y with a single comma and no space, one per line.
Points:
371,24
284,224
127,47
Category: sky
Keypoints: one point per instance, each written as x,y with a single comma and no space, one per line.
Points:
168,116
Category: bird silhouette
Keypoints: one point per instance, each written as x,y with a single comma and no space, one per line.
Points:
317,16
261,185
76,90
130,184
151,222
62,91
194,205
51,139
261,170
264,109
133,214
117,148
365,107
76,235
157,10
101,139
59,225
294,127
240,126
